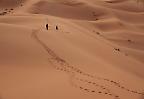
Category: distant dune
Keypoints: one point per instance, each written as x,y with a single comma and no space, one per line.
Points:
10,3
67,9
93,49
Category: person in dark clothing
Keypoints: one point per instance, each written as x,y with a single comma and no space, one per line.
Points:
56,27
47,26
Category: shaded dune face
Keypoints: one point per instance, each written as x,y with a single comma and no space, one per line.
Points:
71,3
72,10
130,6
127,39
132,18
10,3
114,1
121,1
109,26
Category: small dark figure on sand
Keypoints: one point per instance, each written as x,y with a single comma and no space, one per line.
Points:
47,26
117,49
129,40
56,27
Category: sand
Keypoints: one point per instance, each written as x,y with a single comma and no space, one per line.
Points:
96,53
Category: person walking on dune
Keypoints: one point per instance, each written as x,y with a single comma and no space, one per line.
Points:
56,27
47,27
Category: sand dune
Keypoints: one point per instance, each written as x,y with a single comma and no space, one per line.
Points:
126,5
70,10
97,51
10,3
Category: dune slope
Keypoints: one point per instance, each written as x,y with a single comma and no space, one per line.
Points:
96,52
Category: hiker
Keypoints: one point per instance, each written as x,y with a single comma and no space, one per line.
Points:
47,26
56,27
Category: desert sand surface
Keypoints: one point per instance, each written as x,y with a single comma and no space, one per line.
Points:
97,52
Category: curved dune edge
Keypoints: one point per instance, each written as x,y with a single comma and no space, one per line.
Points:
97,51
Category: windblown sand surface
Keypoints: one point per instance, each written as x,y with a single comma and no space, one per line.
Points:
96,53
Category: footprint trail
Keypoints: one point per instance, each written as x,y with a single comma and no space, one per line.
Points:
61,65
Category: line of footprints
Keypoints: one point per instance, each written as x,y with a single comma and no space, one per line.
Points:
8,10
105,90
62,65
